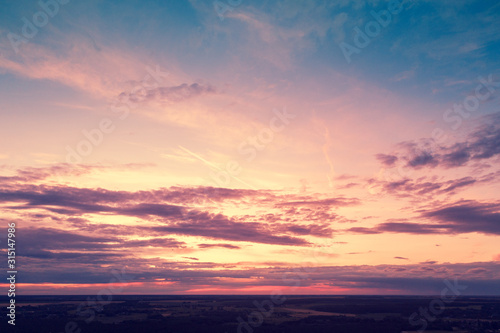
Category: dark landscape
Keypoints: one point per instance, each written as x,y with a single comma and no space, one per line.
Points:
384,314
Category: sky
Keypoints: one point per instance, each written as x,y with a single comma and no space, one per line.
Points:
251,147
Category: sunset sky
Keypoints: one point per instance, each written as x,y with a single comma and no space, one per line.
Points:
246,147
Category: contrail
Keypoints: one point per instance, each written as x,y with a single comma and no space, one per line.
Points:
214,166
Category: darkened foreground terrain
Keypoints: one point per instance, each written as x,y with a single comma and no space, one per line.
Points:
384,314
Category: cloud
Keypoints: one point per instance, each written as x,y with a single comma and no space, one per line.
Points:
182,276
464,216
171,212
363,230
33,174
484,143
191,258
50,243
481,144
387,160
334,202
422,159
468,216
38,174
422,188
80,64
220,227
222,245
171,94
177,219
322,230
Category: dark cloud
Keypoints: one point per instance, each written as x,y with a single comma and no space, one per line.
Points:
460,217
205,194
387,160
423,159
410,228
74,201
363,230
169,211
468,216
217,226
348,185
319,215
421,187
477,277
227,246
53,239
318,230
153,242
178,93
417,154
458,156
58,244
481,144
36,174
334,202
454,184
32,174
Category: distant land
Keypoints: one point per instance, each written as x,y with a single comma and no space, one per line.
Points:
250,313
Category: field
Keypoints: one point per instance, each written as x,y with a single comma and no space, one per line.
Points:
385,314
